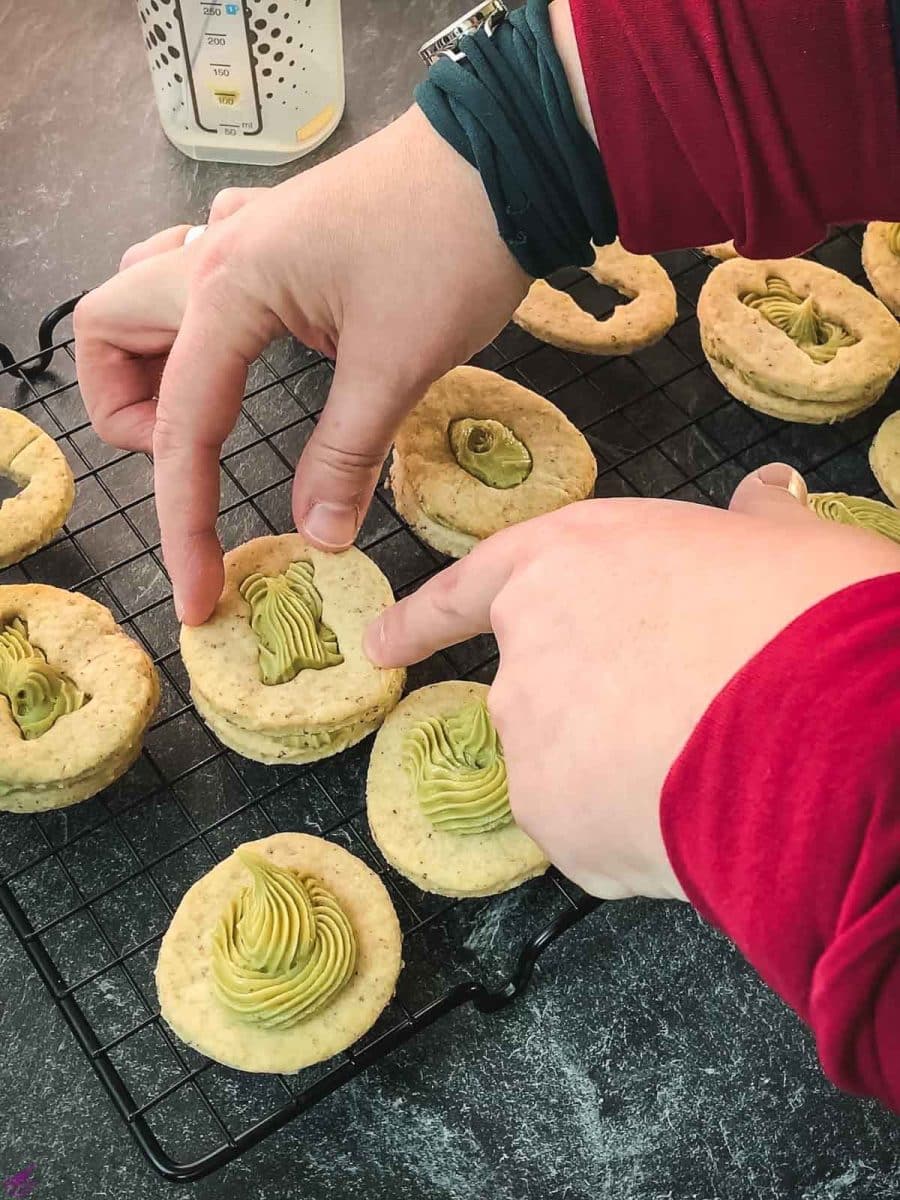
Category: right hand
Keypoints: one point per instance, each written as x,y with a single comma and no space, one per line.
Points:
618,622
386,257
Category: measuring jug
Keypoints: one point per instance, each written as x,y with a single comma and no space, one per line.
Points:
259,81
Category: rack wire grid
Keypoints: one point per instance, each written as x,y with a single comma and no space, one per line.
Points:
89,890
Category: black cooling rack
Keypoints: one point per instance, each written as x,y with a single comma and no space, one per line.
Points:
90,890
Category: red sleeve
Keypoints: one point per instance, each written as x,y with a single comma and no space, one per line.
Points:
781,818
765,120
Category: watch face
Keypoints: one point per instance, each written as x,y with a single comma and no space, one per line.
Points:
448,39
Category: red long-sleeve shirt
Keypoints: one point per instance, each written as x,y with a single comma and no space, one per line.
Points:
768,120
762,120
781,818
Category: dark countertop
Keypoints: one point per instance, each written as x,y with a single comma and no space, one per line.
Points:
646,1062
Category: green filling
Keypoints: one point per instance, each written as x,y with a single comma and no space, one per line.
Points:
800,319
283,947
490,452
286,616
458,773
38,693
893,238
857,510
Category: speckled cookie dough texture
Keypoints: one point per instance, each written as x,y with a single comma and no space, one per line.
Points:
113,692
881,259
797,340
553,316
33,461
449,864
184,976
447,505
317,712
884,457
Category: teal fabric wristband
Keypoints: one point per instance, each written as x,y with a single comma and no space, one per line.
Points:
507,108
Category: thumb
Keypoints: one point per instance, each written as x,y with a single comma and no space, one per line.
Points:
775,491
339,467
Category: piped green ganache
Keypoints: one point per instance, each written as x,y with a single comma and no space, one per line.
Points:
37,692
857,510
893,238
286,616
458,772
800,319
283,947
490,452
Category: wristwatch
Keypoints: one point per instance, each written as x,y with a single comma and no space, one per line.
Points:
446,44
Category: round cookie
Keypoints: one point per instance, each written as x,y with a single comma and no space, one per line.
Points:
278,671
881,259
858,511
884,457
33,461
797,340
433,858
553,316
543,461
186,979
76,695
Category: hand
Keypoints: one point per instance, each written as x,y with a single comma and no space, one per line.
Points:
386,257
618,622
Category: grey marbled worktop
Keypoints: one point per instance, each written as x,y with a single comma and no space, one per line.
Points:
647,1062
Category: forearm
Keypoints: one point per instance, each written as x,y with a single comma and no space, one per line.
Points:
781,818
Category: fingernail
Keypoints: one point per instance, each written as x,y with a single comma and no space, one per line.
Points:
179,609
331,525
783,475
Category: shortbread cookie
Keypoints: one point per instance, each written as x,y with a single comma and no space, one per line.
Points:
76,695
278,671
884,457
553,316
437,797
282,956
858,511
479,453
33,461
881,259
723,251
797,340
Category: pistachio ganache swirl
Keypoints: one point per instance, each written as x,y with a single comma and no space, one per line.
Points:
800,319
37,692
286,616
893,237
458,772
489,451
857,510
283,947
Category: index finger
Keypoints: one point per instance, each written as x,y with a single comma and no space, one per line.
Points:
200,398
451,607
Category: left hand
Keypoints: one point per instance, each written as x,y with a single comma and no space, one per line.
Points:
386,257
618,622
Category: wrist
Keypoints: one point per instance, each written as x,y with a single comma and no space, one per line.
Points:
505,103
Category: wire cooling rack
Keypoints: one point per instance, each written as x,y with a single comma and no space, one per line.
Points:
89,890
